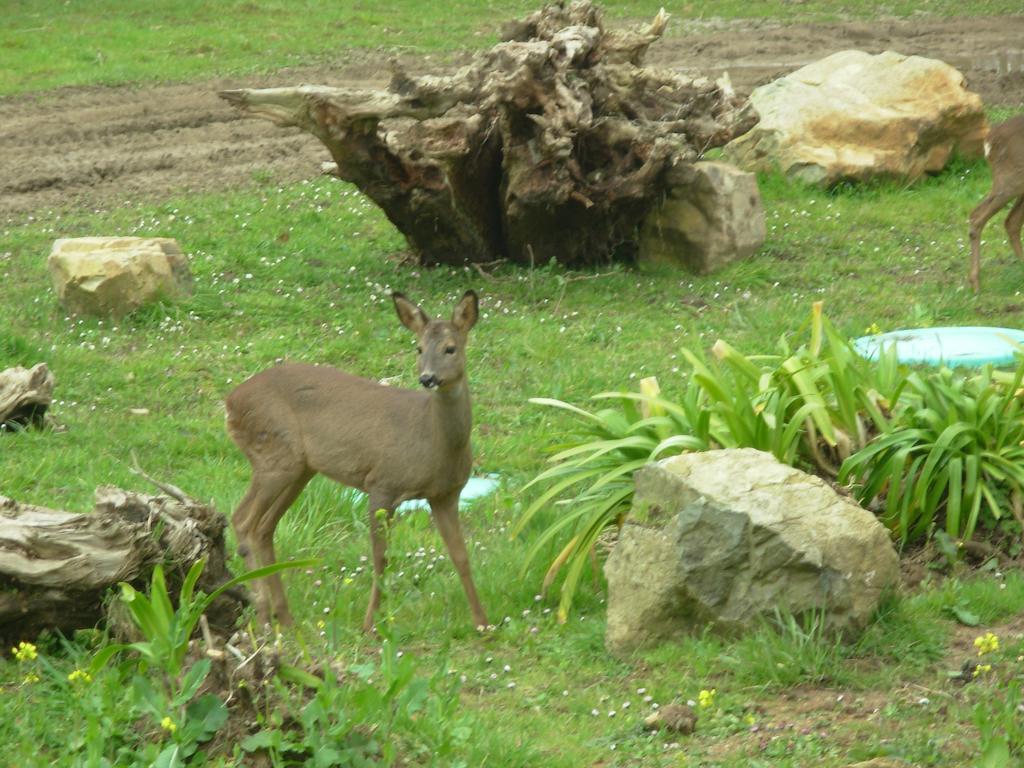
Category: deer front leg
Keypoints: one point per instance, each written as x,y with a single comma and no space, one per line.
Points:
379,524
446,517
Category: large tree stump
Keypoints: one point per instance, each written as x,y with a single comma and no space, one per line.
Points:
57,567
552,144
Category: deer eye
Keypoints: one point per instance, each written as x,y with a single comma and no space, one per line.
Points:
449,350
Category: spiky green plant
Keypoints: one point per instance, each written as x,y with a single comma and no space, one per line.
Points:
955,457
595,467
801,406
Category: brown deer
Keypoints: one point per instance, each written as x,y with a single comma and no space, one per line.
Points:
1004,150
296,420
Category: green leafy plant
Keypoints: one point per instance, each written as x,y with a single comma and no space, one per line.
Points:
748,407
1001,731
853,396
955,459
597,466
379,715
169,696
814,405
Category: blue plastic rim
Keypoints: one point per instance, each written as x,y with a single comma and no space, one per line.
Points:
476,488
953,346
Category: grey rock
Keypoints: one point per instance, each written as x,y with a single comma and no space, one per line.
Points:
724,538
710,218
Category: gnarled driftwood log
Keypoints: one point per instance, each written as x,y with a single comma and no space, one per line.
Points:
552,144
25,395
56,567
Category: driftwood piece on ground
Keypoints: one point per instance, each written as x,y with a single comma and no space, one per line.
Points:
552,144
57,567
25,395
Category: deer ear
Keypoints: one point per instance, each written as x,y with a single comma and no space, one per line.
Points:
466,312
412,317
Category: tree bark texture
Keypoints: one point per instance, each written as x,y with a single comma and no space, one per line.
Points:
56,567
553,144
25,395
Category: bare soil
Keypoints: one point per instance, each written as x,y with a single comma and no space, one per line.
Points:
101,147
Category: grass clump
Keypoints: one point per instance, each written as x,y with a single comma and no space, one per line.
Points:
536,691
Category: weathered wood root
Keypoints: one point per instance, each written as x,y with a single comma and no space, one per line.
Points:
552,144
57,567
25,396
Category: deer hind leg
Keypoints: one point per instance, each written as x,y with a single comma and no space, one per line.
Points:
240,524
985,210
446,517
378,502
1013,225
285,488
270,495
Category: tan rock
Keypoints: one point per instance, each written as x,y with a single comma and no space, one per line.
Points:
708,220
855,116
676,718
116,275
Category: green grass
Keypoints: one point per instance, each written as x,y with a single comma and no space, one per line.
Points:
538,690
885,254
51,43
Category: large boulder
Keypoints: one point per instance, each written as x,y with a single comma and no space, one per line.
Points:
708,220
117,275
855,116
724,538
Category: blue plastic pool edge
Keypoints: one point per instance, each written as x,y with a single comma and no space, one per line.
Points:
953,346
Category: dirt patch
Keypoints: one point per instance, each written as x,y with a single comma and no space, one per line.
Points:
102,147
962,654
988,51
841,721
801,712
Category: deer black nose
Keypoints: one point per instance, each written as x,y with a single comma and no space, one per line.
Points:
429,380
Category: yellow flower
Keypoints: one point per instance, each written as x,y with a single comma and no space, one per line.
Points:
24,651
873,329
986,643
706,698
982,668
168,725
30,678
79,676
